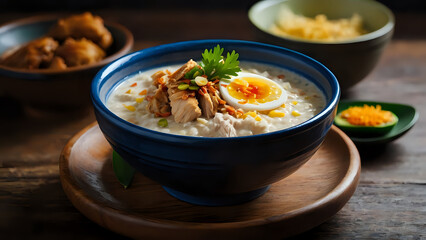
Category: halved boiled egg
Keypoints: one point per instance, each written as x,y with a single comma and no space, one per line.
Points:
251,91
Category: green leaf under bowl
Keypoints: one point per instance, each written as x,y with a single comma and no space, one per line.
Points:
123,171
406,114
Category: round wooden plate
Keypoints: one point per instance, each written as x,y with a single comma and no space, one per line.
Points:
308,197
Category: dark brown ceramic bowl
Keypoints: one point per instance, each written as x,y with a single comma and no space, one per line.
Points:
53,88
350,60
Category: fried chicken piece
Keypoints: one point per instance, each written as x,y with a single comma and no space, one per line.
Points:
80,52
57,63
35,54
82,26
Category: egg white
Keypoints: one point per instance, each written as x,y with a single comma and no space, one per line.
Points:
249,106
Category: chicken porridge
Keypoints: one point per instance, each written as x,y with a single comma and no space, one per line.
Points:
188,100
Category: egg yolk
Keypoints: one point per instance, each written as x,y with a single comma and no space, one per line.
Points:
253,90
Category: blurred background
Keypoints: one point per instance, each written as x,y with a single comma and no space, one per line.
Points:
50,5
410,10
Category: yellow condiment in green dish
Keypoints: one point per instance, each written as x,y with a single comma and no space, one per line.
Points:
366,120
406,117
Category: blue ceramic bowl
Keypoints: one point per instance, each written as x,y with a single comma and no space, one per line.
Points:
214,171
53,88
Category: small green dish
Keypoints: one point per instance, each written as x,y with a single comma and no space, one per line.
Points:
407,117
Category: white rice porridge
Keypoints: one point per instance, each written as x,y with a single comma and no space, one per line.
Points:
305,100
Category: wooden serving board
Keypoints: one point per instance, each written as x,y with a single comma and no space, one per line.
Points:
308,197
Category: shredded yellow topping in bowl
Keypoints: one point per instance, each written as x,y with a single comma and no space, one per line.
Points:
367,115
318,28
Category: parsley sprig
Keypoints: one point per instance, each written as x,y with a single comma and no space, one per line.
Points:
215,66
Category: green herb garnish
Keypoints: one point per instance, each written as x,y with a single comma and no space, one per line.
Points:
183,86
163,123
194,88
193,73
217,67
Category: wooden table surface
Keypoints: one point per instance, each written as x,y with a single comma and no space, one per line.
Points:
389,203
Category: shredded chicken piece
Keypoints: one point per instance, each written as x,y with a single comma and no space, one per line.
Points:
210,102
225,125
159,78
178,74
185,110
35,54
207,106
82,26
159,103
184,106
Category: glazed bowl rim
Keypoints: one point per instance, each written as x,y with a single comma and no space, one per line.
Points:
28,73
388,27
160,136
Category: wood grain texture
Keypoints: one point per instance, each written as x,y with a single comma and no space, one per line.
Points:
389,202
308,197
